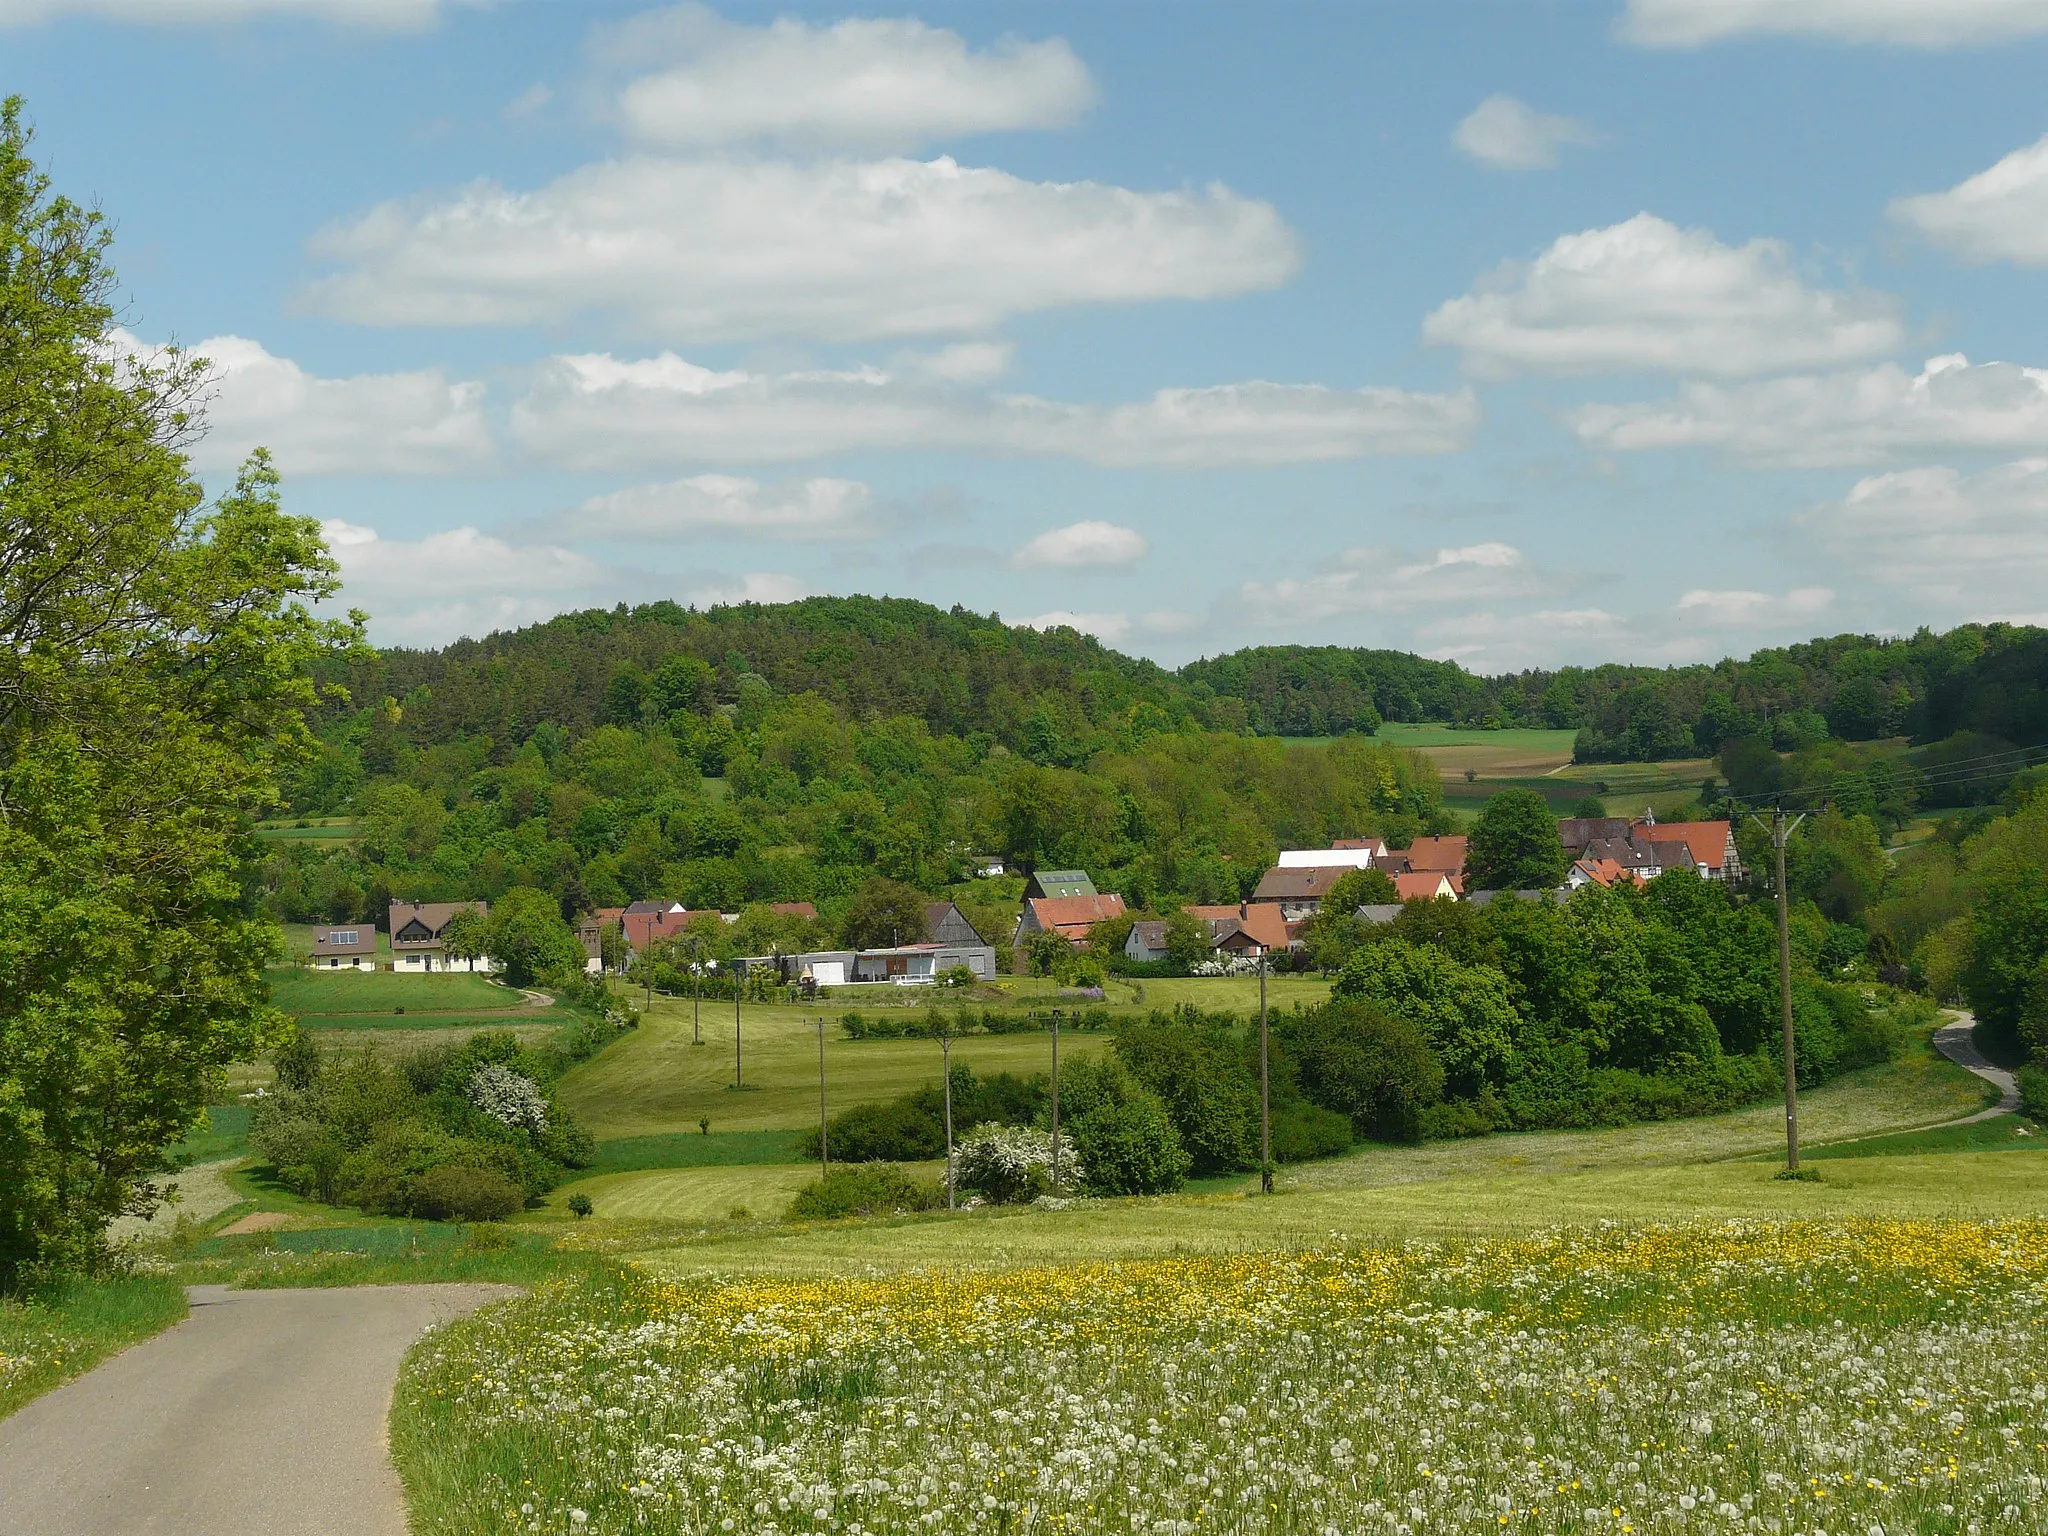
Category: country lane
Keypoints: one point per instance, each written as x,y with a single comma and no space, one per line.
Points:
262,1414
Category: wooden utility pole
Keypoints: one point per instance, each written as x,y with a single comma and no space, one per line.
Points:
1265,1092
824,1144
1055,1100
946,1065
1780,830
738,976
697,996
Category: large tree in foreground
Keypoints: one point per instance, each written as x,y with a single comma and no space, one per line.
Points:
154,670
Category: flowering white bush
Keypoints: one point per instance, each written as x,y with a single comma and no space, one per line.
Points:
509,1097
1222,965
1012,1162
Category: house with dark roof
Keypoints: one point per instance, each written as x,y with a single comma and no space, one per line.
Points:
1298,893
1246,930
945,923
1577,832
353,948
416,929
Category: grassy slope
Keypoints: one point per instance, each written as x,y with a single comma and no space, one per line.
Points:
301,991
655,1081
1497,1183
48,1339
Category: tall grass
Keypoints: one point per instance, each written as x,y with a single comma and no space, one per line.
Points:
53,1334
1784,1378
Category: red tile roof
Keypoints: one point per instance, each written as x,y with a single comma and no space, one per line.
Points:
1444,853
1423,885
1708,840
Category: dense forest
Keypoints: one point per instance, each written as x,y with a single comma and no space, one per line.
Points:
1060,697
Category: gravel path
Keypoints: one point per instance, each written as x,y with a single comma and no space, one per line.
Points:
1958,1043
262,1414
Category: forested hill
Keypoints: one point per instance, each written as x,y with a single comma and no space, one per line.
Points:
962,673
1988,682
1060,697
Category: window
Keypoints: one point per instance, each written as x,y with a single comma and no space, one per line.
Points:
342,936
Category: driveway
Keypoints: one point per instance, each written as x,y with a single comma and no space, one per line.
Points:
1958,1043
262,1414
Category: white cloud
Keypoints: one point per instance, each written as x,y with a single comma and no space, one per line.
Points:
1109,628
1914,23
433,589
1962,546
870,84
373,423
1091,543
1745,609
2000,214
597,411
730,249
1855,417
756,587
1511,135
1645,294
820,508
458,582
1376,581
391,15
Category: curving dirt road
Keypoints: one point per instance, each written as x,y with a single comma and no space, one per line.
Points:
262,1414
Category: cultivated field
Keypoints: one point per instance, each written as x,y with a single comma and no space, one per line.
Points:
1542,761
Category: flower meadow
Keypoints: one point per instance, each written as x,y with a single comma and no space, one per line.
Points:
1847,1379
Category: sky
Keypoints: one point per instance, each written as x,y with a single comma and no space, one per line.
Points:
1522,334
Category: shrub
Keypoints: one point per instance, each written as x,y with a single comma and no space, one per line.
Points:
455,1193
1010,1164
1121,1131
579,1205
874,1189
1377,1071
2034,1092
1200,1072
895,1132
1304,1132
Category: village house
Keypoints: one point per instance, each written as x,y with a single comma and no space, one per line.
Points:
1058,884
1246,930
945,923
1710,843
1344,853
1071,917
345,949
416,929
1425,885
1298,893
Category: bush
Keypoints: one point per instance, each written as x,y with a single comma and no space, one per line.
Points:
875,1189
1304,1132
1351,1057
2034,1092
580,1206
1013,1163
1199,1069
1121,1131
454,1193
895,1132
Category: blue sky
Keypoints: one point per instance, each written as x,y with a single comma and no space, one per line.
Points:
1522,333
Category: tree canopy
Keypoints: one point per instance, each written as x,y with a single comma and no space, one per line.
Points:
155,656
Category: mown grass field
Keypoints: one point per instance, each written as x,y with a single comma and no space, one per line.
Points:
298,990
655,1081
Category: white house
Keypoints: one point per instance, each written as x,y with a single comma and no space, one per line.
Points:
416,928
